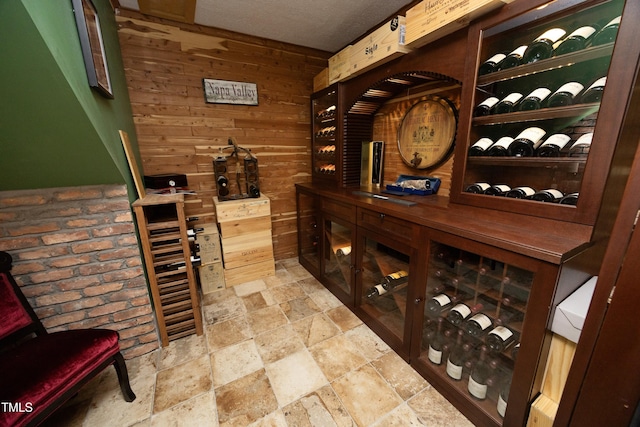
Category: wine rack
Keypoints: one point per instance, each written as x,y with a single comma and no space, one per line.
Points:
309,226
326,142
567,172
167,254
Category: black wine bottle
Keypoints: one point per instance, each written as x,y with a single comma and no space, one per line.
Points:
577,40
534,100
438,304
608,33
501,147
570,199
388,283
223,185
458,355
553,145
514,58
491,65
525,144
503,398
581,147
500,338
542,47
477,187
436,345
478,380
594,92
565,95
521,192
550,195
485,107
478,325
479,148
508,104
514,351
497,190
460,312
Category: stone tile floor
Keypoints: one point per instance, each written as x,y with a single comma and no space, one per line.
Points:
280,351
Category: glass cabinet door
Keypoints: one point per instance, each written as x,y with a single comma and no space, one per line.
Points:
309,232
337,267
472,324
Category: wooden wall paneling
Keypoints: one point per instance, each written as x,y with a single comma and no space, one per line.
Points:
178,132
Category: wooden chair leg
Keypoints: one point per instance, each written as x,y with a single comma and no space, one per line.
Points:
123,378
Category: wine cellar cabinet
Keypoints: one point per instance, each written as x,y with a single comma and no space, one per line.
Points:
526,86
167,255
326,135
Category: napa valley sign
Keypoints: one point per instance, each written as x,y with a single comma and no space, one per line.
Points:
228,92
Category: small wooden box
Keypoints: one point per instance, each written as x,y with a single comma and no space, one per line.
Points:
428,20
247,273
245,226
209,247
339,65
230,210
321,80
247,249
211,277
381,46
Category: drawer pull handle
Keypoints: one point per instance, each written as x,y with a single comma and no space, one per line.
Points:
381,216
418,300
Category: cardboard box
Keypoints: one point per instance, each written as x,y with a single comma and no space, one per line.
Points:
381,46
339,66
231,210
211,277
248,273
209,247
432,19
569,315
321,80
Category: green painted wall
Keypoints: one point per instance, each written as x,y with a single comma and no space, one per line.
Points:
55,131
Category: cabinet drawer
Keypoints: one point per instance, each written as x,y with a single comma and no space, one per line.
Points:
341,210
375,221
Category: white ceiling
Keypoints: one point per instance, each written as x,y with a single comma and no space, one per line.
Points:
327,25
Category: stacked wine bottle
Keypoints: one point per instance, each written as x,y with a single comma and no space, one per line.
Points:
532,142
549,195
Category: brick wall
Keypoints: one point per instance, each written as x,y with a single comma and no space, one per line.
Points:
76,257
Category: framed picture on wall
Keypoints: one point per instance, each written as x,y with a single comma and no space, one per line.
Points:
95,59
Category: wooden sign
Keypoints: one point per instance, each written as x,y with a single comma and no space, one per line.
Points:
228,92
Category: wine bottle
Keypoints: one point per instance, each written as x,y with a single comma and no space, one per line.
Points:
514,351
388,283
497,190
550,195
553,145
343,251
570,199
460,312
438,304
457,357
507,105
608,33
534,100
581,147
491,64
477,188
521,193
479,148
503,398
223,185
577,40
594,92
501,147
500,338
514,58
478,325
542,46
485,107
565,95
525,144
436,345
478,380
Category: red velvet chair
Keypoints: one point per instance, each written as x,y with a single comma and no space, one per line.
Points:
40,371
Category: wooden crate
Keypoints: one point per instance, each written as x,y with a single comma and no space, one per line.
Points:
247,249
428,20
211,277
244,226
340,65
232,210
321,80
248,273
381,46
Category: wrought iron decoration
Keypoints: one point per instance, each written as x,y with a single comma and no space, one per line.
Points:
247,183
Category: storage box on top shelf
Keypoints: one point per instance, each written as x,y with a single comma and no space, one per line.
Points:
430,20
321,80
339,66
381,46
569,315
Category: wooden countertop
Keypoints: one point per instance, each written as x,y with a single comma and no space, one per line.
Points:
544,239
